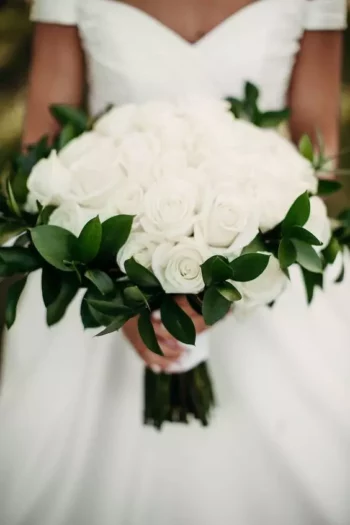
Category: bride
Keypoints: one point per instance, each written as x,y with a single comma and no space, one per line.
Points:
73,449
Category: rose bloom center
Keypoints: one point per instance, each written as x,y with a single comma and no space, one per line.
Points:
174,210
189,269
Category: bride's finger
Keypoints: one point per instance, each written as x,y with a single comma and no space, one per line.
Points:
156,362
163,334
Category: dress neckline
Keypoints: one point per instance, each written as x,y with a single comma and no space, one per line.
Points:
157,23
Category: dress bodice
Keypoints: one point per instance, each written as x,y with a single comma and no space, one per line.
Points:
133,57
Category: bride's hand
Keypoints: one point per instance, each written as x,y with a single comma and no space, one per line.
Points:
171,348
197,319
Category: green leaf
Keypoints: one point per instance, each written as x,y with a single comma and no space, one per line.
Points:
118,322
287,253
147,333
328,187
77,267
297,232
257,245
20,190
195,303
320,147
13,296
87,318
229,292
307,257
25,162
306,148
70,115
101,318
341,275
89,241
45,214
236,106
272,119
139,275
50,284
331,251
101,280
12,203
312,281
115,233
249,266
103,309
134,297
250,107
216,270
112,305
67,134
344,217
55,245
298,213
251,93
215,306
177,322
286,272
9,230
69,286
16,260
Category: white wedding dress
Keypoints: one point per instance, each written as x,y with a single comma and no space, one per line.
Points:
73,449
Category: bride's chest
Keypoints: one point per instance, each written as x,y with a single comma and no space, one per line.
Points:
190,19
133,56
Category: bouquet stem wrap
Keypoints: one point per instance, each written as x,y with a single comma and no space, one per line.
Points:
186,388
178,398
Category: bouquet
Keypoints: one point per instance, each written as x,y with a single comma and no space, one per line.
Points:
152,201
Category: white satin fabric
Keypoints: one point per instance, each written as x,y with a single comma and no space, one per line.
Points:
73,449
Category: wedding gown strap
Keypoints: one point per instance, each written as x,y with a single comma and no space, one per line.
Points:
54,12
325,14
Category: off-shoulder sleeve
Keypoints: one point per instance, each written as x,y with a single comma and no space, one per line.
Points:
54,11
325,14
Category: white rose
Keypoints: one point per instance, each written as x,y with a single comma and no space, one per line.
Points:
72,217
174,133
265,289
227,222
170,208
205,111
31,204
128,199
222,168
117,122
199,179
141,247
172,163
273,202
273,168
154,110
158,117
178,266
319,224
139,153
49,181
95,167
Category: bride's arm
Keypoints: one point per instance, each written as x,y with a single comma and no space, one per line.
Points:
56,76
315,88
